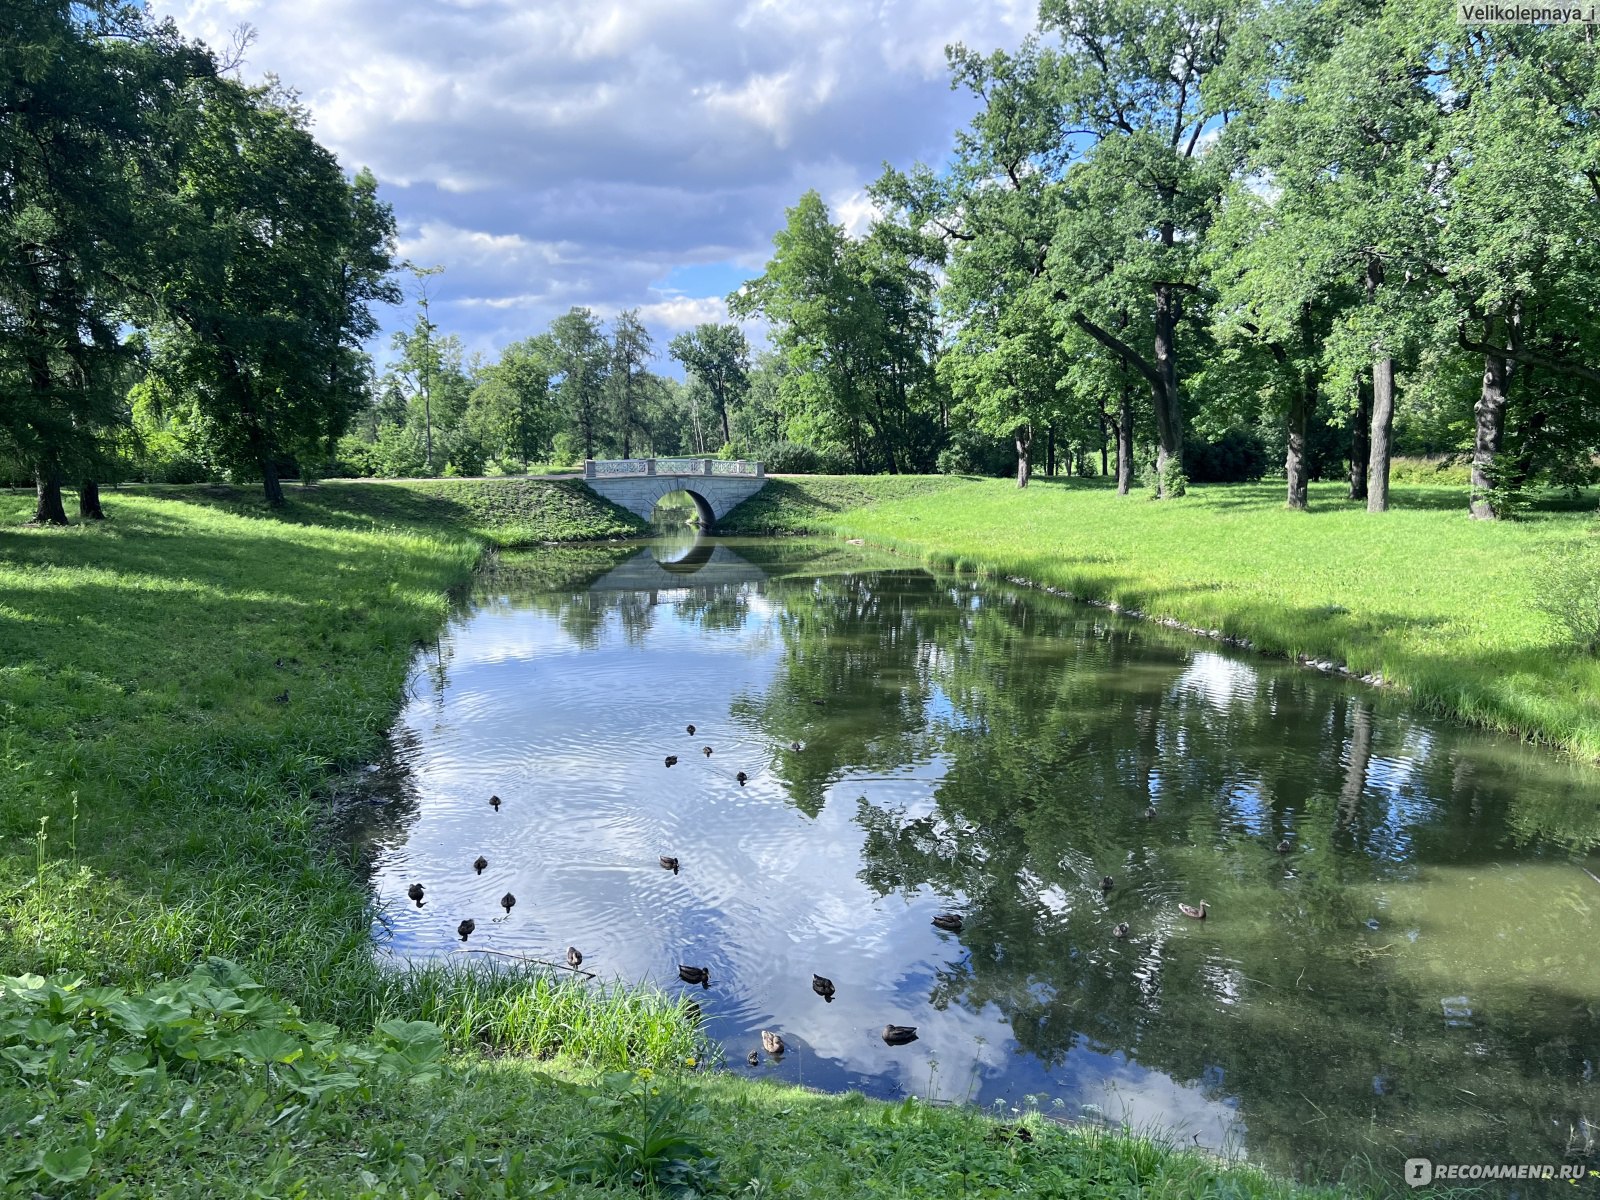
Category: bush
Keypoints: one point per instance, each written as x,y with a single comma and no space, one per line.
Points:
1238,456
970,452
792,458
1452,469
1176,480
352,459
1566,587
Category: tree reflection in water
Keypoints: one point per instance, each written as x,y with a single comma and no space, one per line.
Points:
1414,975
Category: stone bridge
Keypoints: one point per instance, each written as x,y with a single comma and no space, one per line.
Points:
714,484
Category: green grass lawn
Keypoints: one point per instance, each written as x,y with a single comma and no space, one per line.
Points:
184,693
1435,603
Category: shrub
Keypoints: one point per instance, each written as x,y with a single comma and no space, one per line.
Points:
1566,587
1452,469
792,458
970,452
1175,479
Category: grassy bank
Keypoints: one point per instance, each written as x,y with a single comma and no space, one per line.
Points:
1433,602
185,690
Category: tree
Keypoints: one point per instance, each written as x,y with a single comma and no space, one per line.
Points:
513,409
719,357
266,295
580,357
631,349
86,91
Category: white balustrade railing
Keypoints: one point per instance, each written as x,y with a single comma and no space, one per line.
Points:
596,468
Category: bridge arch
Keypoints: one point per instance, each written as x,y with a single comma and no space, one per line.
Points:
636,484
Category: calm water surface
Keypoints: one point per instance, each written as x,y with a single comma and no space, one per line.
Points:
1417,975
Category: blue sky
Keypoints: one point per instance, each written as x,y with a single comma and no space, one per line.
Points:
610,153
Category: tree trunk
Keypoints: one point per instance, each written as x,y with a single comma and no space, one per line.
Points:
1358,439
270,483
1125,440
48,510
1050,451
1382,427
89,502
1382,409
1105,465
722,407
1490,421
1024,439
1301,401
1169,425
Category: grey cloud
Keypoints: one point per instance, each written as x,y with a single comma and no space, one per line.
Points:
609,140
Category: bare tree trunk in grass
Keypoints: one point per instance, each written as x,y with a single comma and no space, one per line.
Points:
1125,441
89,502
1294,461
1358,440
1024,439
48,509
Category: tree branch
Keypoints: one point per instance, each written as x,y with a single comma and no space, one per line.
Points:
1120,348
1526,357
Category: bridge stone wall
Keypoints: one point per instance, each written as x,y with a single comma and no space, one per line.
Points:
636,484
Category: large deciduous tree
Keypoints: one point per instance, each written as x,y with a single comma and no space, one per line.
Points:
719,357
267,292
581,357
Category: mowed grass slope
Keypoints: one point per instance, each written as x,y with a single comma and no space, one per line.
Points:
1437,604
182,691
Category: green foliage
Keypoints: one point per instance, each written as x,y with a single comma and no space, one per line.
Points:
1164,483
1236,456
648,1144
1566,588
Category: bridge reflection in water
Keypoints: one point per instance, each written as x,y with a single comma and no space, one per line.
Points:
676,559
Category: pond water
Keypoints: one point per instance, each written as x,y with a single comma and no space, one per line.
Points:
1416,975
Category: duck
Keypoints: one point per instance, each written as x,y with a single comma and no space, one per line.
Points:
672,760
690,728
700,975
796,747
742,778
668,863
1284,847
948,921
1121,931
819,703
574,957
822,987
466,927
494,803
479,863
1107,883
772,1043
1150,813
753,1058
415,892
706,750
899,1035
507,901
1189,910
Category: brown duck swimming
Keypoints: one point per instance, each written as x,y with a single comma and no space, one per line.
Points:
1107,883
1189,910
822,987
700,975
494,803
948,921
415,892
669,863
672,759
690,728
753,1058
1284,847
899,1035
742,778
1121,931
507,901
479,863
466,927
772,1043
574,957
796,747
1150,813
706,750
